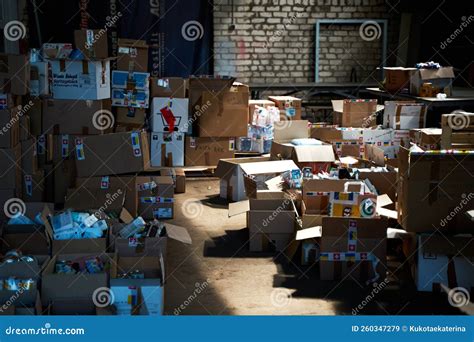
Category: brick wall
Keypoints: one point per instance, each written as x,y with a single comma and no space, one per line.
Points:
274,41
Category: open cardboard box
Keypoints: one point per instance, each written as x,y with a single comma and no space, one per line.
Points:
355,112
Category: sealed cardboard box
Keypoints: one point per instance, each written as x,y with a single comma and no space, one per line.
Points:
290,107
353,247
390,108
198,85
131,116
80,79
430,194
10,161
168,87
178,176
226,113
403,116
397,79
14,74
208,151
92,43
155,197
76,117
132,55
355,113
167,149
427,138
110,154
441,79
10,126
169,115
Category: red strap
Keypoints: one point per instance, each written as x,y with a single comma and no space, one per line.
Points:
169,117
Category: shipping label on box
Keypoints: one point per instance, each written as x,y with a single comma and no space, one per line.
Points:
130,98
167,149
169,114
127,80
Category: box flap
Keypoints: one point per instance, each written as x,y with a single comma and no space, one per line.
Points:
309,233
316,153
238,208
268,167
337,105
288,130
178,233
226,167
125,216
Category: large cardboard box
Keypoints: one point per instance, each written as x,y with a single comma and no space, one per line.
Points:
208,151
444,260
169,115
403,116
167,149
155,197
131,117
441,79
92,43
290,107
353,248
435,191
355,113
14,74
10,171
271,223
76,117
112,154
132,55
80,79
397,79
168,87
198,85
227,113
10,126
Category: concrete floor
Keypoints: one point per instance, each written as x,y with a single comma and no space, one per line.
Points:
217,275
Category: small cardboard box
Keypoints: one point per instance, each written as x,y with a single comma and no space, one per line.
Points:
155,197
353,247
116,153
271,223
444,260
178,176
10,161
397,79
169,115
258,103
80,79
76,117
355,113
226,113
290,107
208,151
14,74
92,43
10,126
441,79
132,55
167,149
174,87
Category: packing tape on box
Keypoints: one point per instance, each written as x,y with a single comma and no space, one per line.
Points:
65,146
137,151
146,186
156,199
105,182
29,185
80,149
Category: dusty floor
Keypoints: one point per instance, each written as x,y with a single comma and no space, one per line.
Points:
217,275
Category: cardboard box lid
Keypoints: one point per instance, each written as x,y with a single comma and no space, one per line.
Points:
316,153
430,74
309,233
286,131
178,233
226,167
268,167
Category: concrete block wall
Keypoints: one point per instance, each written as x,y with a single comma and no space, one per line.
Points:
274,41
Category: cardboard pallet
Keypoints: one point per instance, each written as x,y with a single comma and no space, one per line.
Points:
457,131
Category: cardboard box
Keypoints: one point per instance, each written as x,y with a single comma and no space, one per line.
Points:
271,224
34,109
29,160
405,115
290,107
80,79
227,113
169,115
130,98
167,149
39,81
131,117
56,50
258,103
132,55
10,161
14,74
316,194
355,113
353,248
231,173
75,117
64,178
10,127
441,79
397,79
77,287
426,138
444,260
110,154
44,149
168,87
208,151
34,186
25,131
198,85
109,200
430,194
92,43
178,176
155,197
